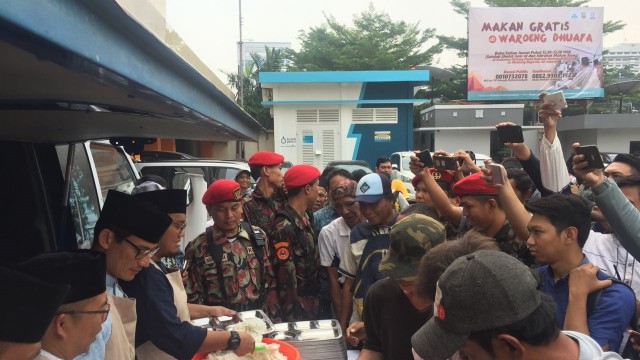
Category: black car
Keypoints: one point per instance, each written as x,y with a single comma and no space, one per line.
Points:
351,165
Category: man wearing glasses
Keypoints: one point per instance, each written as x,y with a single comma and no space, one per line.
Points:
164,316
26,314
127,232
79,319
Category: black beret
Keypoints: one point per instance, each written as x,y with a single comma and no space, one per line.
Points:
28,308
170,201
84,270
124,212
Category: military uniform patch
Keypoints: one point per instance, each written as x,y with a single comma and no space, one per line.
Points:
224,257
250,250
208,260
282,251
437,175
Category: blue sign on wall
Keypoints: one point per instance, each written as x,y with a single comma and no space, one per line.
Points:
307,139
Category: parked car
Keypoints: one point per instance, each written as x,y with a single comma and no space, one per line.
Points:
351,165
160,155
210,169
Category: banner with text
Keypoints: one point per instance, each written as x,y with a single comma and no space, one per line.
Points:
516,53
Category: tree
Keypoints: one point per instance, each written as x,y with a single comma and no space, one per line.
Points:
273,61
375,42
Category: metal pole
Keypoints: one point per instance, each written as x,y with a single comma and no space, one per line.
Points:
240,60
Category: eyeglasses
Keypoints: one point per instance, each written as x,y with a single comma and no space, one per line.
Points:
104,313
142,253
180,225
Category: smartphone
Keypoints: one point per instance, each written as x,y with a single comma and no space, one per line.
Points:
441,162
557,98
496,174
185,265
591,155
510,134
472,155
425,158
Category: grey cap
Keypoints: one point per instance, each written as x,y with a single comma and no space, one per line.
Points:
480,291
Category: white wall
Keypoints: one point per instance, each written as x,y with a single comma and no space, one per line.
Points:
616,140
284,116
452,140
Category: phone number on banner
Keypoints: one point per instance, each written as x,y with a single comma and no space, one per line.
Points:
512,76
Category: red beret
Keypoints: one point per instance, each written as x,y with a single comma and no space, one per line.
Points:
266,158
416,179
473,185
300,175
222,190
441,175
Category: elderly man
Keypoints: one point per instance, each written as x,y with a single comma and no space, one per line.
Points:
233,251
392,309
79,319
296,257
27,313
334,238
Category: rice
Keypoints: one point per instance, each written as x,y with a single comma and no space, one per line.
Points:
255,327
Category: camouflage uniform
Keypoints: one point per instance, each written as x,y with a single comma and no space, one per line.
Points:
508,243
247,280
296,263
261,211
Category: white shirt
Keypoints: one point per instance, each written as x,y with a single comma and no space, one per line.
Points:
332,241
47,355
589,348
605,251
553,169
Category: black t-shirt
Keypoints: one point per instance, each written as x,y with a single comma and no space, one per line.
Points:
390,320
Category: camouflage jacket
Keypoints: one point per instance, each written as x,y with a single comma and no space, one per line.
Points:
246,280
261,211
296,261
508,243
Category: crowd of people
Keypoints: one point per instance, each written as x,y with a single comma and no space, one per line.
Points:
487,263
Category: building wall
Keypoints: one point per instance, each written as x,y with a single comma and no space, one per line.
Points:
470,139
617,140
356,141
470,115
584,136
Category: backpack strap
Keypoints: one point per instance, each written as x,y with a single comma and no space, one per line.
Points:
257,238
216,252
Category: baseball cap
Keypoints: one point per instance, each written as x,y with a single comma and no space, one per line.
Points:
373,187
480,291
409,240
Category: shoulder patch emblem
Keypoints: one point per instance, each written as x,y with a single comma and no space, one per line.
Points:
282,253
208,260
224,257
250,250
237,195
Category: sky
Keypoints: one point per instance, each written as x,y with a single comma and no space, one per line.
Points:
211,27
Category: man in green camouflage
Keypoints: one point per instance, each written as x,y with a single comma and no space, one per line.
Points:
392,310
294,245
229,264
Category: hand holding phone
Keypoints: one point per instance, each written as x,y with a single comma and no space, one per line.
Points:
591,156
557,98
496,174
510,134
441,162
425,158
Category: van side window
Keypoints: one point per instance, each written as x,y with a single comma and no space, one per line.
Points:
84,205
112,168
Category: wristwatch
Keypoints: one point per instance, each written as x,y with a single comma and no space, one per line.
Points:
234,341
